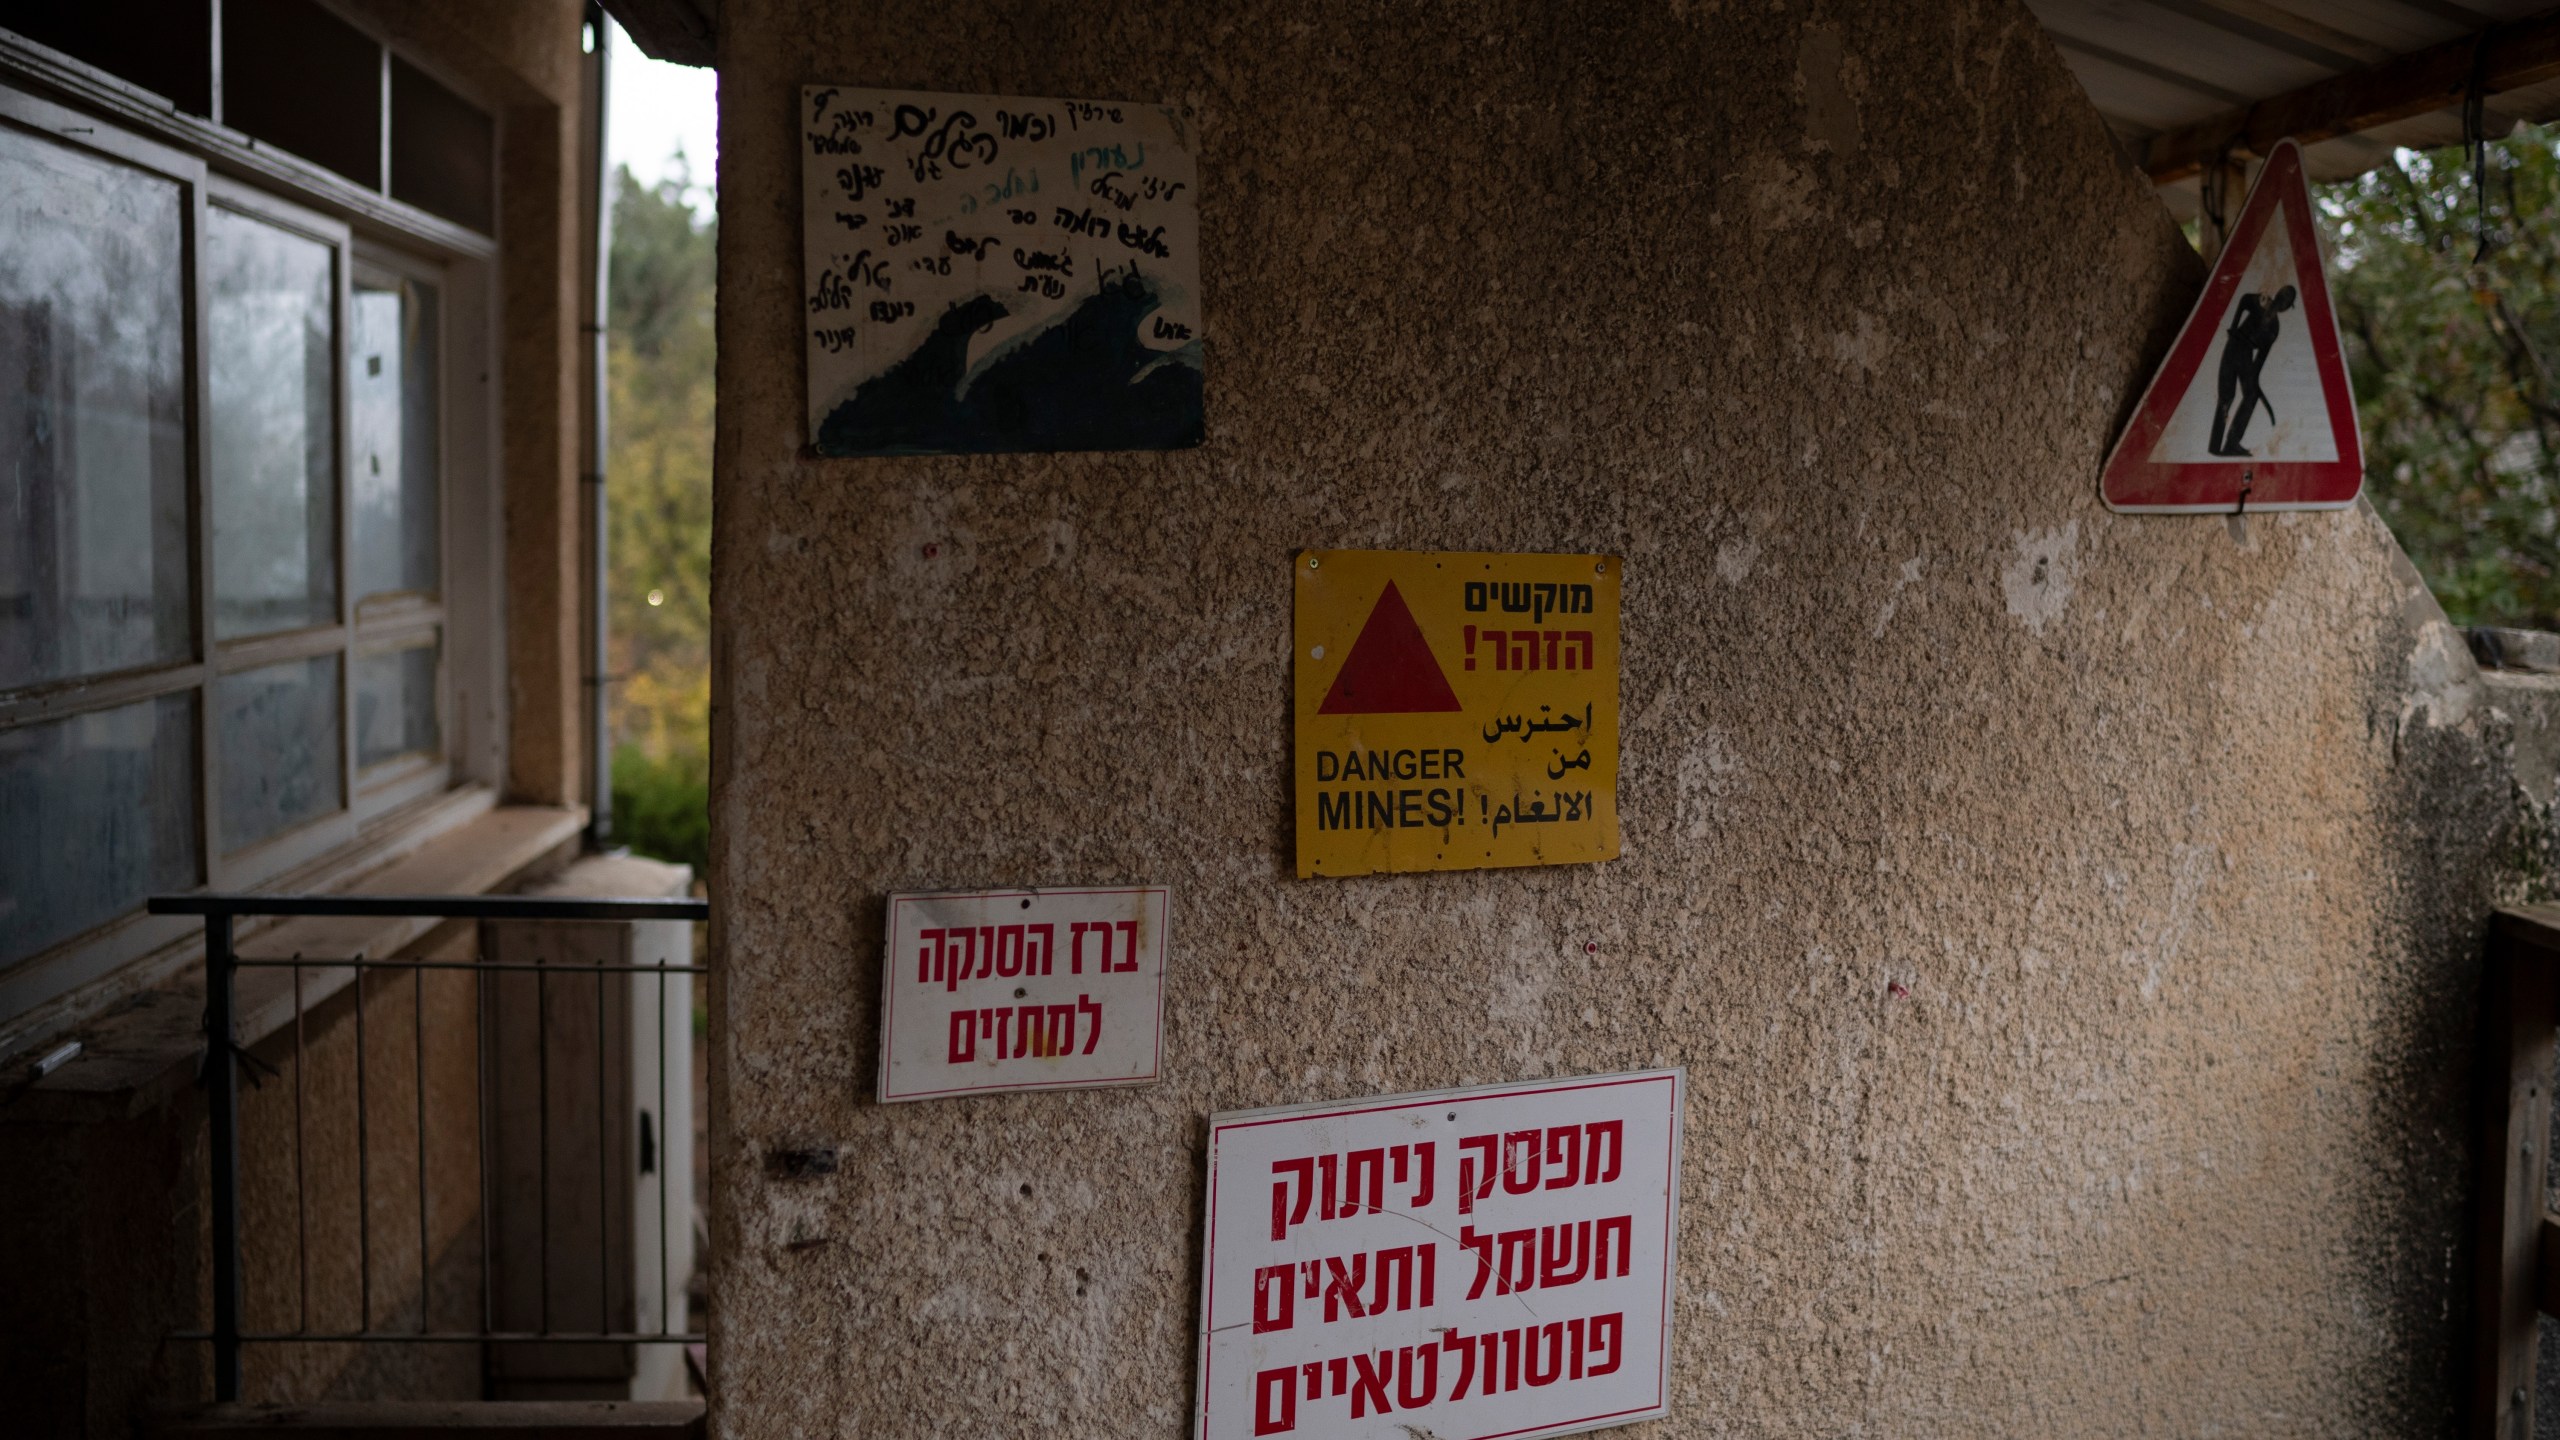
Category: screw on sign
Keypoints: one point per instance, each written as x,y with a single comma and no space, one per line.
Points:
1467,1264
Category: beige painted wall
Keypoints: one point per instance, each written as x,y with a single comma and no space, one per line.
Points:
2178,835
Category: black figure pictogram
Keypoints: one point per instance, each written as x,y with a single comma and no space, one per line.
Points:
2254,327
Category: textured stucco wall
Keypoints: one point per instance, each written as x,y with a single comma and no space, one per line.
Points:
2177,835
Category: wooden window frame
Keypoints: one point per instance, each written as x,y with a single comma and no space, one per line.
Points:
372,236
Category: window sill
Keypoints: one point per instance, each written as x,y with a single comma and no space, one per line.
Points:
140,1054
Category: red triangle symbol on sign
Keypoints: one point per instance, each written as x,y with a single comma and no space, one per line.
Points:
2250,409
1390,670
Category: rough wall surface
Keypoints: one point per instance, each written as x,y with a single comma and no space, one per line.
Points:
2069,923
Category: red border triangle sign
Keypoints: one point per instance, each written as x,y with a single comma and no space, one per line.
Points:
2251,409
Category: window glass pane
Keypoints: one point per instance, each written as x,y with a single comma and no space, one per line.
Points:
94,573
395,704
269,357
277,733
96,813
393,387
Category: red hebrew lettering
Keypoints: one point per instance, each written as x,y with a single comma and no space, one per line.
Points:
1283,1214
928,956
1373,1160
1560,1246
1518,1268
1342,1288
1582,640
1003,1014
1524,649
1475,1181
1006,950
1573,1346
1510,1359
1270,1281
1520,1178
1369,1383
955,967
1612,1326
1314,1371
1552,638
1566,1139
1275,1401
1340,1370
1414,1362
1623,1227
1037,958
1465,1345
1469,1239
1493,640
1549,1340
1595,1172
1051,1029
1093,1035
1328,1175
1430,1262
986,952
1423,1155
1398,1260
1128,945
964,1036
1075,944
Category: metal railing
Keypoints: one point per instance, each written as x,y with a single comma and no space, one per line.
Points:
225,1054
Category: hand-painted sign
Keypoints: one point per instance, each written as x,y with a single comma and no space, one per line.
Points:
2251,409
1495,1261
1455,710
1022,990
992,274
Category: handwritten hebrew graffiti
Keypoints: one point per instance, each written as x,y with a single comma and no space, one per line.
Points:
1029,278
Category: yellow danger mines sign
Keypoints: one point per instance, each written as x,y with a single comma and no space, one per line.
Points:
1455,710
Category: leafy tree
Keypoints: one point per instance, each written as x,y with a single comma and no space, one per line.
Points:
2454,366
659,369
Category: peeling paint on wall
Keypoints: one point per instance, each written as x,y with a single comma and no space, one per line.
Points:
2036,583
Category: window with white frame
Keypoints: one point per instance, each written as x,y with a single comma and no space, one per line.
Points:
222,541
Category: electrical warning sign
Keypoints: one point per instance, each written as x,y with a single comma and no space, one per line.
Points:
1493,1263
1455,710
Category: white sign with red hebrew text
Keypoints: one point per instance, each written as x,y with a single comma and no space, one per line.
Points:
1463,1264
1022,990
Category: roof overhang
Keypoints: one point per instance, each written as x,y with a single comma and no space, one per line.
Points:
2187,83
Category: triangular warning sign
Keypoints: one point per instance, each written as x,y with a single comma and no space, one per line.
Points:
1390,670
2251,409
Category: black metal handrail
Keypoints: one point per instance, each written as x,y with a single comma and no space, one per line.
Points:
444,907
221,912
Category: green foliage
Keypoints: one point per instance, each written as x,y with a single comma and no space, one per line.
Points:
2453,366
659,357
661,807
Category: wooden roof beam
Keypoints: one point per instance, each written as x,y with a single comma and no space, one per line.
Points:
2525,52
